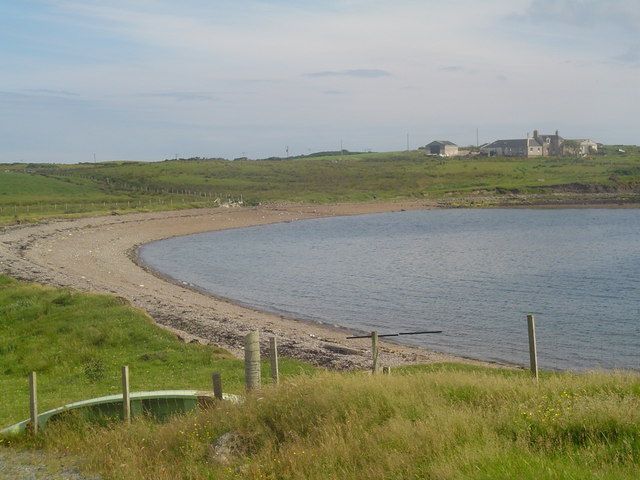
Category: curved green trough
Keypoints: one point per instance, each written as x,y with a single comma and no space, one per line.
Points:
158,405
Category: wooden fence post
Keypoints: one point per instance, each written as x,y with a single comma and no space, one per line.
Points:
273,356
375,368
533,354
217,385
126,397
33,402
252,360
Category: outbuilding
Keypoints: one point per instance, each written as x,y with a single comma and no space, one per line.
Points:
443,148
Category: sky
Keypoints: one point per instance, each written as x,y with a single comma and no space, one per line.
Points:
147,80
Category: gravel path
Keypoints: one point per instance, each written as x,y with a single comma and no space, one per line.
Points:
30,465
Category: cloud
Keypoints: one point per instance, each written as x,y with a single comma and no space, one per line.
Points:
56,93
583,30
632,56
38,97
182,96
452,68
357,73
586,13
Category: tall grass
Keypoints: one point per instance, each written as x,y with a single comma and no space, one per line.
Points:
440,424
77,342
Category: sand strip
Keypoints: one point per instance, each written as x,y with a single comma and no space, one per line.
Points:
98,255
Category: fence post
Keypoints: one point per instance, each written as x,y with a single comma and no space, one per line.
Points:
252,360
375,368
273,356
33,402
533,354
126,398
217,385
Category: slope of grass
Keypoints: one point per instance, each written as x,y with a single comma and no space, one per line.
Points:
368,176
443,424
435,421
77,343
30,192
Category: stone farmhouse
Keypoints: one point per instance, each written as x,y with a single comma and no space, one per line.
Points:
539,145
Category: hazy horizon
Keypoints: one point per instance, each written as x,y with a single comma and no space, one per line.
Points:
153,79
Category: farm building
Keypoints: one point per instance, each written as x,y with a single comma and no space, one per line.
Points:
552,145
524,147
587,146
540,145
442,147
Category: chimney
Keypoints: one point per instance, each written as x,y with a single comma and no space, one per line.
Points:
535,134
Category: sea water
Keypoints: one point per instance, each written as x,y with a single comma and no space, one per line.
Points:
474,274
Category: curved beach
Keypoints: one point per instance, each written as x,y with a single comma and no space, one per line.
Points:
99,255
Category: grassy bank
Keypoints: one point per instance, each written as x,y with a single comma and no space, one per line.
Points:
34,191
443,423
77,342
432,422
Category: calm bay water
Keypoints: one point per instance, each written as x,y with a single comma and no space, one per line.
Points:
475,274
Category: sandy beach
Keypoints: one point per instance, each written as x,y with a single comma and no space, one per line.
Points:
98,255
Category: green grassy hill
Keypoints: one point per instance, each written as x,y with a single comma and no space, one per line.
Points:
29,192
78,342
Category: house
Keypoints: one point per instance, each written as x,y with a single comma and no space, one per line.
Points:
552,145
587,146
443,148
524,147
540,145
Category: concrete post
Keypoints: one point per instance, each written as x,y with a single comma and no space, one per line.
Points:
252,361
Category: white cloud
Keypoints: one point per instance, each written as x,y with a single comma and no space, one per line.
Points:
587,13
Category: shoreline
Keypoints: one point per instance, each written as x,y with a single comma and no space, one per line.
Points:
99,254
96,255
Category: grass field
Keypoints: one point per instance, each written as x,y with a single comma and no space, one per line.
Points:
34,191
426,422
77,342
422,422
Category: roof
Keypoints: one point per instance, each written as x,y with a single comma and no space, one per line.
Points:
550,137
515,143
442,142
